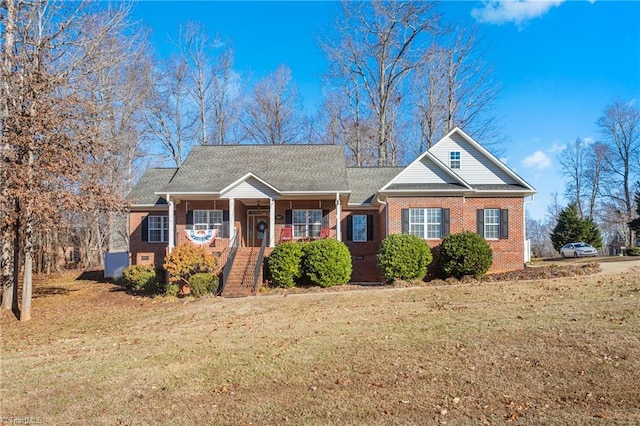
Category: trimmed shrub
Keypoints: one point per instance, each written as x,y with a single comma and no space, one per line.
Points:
187,260
284,264
203,283
327,262
404,257
143,278
633,251
466,253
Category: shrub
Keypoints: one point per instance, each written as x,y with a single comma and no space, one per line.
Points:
285,264
466,253
172,290
143,278
203,283
327,262
633,251
404,257
187,260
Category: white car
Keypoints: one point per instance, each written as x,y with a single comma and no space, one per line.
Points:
578,250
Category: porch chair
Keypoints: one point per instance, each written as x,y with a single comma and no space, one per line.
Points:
325,232
286,234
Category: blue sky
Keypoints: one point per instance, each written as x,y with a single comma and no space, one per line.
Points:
559,63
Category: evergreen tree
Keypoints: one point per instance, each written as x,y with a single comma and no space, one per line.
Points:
570,229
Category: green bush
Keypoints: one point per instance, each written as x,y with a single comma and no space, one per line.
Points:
327,262
633,251
466,253
203,283
285,264
143,278
404,257
172,290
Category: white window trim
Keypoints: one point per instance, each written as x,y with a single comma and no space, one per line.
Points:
458,160
353,228
486,224
306,224
207,225
425,223
164,226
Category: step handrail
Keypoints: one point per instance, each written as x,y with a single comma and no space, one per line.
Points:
256,271
229,263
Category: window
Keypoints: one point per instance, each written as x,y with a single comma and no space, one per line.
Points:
158,229
307,223
454,159
208,219
492,224
359,228
426,223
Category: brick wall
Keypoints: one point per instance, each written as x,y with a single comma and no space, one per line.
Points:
508,253
363,254
143,252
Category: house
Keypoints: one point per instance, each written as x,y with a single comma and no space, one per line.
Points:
233,199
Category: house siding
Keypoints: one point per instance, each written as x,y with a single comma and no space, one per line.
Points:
424,171
475,167
250,188
508,253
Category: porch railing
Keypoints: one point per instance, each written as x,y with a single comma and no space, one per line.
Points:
256,271
233,249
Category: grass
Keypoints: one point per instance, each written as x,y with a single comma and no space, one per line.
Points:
559,351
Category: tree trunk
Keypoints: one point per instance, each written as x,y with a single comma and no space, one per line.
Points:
7,282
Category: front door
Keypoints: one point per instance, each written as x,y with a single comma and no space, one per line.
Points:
258,229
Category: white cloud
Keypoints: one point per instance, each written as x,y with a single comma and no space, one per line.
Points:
504,159
588,140
516,11
538,160
556,148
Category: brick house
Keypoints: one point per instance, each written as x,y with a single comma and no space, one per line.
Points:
239,201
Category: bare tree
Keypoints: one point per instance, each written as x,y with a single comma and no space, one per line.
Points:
619,126
594,175
380,44
170,117
46,136
455,88
572,160
273,114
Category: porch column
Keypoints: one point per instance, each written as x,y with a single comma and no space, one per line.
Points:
338,217
172,227
232,219
272,222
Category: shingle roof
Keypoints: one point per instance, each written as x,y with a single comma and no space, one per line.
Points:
287,168
426,187
365,182
499,187
153,180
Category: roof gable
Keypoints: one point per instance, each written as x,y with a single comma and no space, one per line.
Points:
478,166
426,172
249,186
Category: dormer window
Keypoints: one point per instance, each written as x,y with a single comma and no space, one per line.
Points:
454,159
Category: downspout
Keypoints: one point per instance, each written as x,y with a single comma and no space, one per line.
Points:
524,225
338,217
171,242
386,219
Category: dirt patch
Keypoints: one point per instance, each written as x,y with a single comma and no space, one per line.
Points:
542,351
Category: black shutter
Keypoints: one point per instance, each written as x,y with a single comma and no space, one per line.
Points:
405,221
369,227
349,228
190,217
225,224
325,218
288,218
446,222
504,224
145,228
480,222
